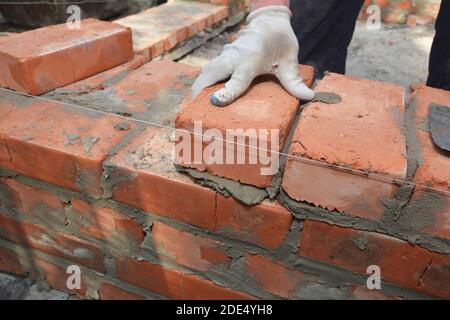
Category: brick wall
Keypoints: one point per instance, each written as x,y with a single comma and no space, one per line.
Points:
81,183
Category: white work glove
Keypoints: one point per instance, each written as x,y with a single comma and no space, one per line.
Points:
267,45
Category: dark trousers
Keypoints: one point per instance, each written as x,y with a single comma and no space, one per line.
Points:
439,66
325,29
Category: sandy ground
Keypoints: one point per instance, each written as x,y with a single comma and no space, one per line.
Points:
395,54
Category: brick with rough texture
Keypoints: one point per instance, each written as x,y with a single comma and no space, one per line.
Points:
31,202
57,276
400,262
161,28
288,283
56,143
431,198
106,78
40,60
58,244
10,262
264,106
173,283
265,225
186,249
152,92
142,175
105,224
363,132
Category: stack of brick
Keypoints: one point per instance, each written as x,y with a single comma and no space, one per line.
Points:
411,12
160,29
89,180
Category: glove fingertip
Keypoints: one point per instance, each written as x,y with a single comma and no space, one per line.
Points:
218,103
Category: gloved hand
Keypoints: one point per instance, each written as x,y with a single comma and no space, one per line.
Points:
266,46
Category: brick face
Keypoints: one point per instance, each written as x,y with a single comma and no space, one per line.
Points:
31,201
186,249
161,28
363,132
155,186
265,225
40,60
106,78
61,145
265,113
106,224
152,92
56,276
10,262
400,262
61,245
173,283
432,177
274,277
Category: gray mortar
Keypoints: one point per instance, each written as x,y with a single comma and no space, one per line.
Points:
327,97
123,126
113,80
246,194
88,143
17,100
71,138
113,175
387,226
336,276
414,155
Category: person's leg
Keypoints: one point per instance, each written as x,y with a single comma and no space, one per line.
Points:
439,66
324,30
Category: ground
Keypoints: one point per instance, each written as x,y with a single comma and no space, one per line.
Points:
395,54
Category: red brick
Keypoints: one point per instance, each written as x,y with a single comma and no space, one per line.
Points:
363,133
433,174
111,292
414,20
274,277
173,283
152,92
400,262
64,246
307,73
187,249
40,60
264,106
57,276
105,224
362,293
155,186
436,279
265,225
10,262
56,143
163,27
102,80
435,170
28,200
